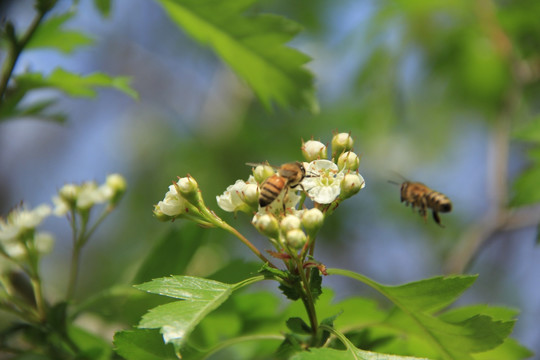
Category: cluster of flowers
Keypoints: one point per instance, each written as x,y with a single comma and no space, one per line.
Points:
19,240
287,220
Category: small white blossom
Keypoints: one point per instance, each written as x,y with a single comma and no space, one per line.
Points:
314,150
116,182
263,172
312,220
61,207
348,161
44,242
341,142
351,184
21,220
234,198
89,195
267,224
322,183
290,222
14,250
172,205
296,238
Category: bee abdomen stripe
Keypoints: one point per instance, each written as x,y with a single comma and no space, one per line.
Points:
275,191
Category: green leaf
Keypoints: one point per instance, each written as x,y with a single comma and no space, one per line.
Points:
315,283
74,84
142,344
171,254
103,6
177,319
429,295
353,354
455,338
252,46
509,350
526,189
50,35
297,325
92,346
530,131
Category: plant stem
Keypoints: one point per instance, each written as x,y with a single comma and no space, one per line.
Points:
308,299
15,49
241,339
246,242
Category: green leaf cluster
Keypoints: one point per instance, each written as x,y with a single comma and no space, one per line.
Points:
253,46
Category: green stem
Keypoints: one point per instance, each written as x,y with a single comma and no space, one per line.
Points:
78,242
15,49
350,347
38,294
241,339
246,242
308,299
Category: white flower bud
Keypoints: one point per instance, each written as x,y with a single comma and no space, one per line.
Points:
267,225
314,150
263,172
290,222
44,242
340,143
187,186
234,198
89,195
251,195
172,205
312,220
69,193
351,184
116,182
348,161
295,238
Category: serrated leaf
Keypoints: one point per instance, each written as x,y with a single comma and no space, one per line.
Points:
142,344
453,340
353,354
252,46
74,84
315,283
177,319
430,294
50,35
509,350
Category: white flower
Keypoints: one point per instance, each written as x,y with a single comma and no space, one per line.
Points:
89,195
276,207
15,250
323,180
20,220
44,242
172,205
234,198
61,207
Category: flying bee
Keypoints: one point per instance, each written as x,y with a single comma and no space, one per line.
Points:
288,175
419,195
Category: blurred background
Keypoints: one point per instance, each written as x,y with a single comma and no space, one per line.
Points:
430,91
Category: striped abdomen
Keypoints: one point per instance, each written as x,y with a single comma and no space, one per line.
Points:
271,188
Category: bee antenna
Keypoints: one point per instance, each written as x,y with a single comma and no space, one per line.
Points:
394,182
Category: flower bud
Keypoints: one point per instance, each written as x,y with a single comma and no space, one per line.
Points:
263,172
312,220
351,184
295,238
69,193
251,195
340,143
267,225
314,150
290,222
349,161
116,184
188,188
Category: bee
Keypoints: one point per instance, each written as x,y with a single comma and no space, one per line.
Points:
419,195
288,175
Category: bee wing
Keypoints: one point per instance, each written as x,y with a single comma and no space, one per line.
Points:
261,163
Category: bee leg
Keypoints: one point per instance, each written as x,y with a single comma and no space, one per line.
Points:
285,200
437,218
